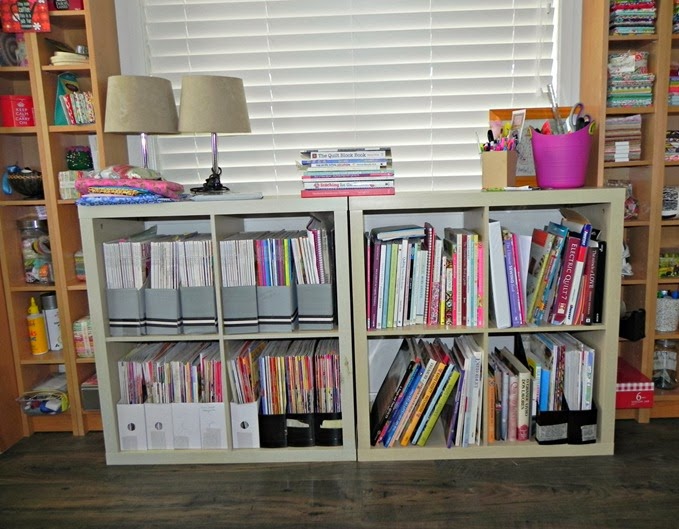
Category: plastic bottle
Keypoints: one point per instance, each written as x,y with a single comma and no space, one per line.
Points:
37,332
52,322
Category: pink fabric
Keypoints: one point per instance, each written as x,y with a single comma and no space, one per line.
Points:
160,187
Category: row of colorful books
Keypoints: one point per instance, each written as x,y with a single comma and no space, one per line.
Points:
430,382
346,172
545,372
555,275
171,372
416,277
286,376
261,258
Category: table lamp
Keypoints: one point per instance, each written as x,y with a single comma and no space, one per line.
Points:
137,104
213,104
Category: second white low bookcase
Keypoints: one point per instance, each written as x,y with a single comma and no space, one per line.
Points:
100,224
519,211
365,355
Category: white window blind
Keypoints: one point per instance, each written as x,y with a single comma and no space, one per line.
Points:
418,76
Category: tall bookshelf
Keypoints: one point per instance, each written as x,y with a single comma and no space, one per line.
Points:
220,219
518,211
649,233
43,147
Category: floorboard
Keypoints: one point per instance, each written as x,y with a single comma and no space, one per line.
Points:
59,481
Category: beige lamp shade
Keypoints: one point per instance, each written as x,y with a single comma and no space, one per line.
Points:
215,104
140,104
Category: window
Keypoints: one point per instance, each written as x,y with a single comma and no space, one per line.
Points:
415,75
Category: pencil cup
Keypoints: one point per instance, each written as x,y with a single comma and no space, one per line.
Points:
561,159
498,169
666,314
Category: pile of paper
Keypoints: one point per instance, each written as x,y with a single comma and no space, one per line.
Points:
622,141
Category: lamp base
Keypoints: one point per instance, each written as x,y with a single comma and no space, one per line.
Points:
212,186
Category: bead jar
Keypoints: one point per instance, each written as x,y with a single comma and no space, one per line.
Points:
665,364
35,249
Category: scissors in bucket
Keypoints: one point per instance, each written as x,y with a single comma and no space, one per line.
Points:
577,119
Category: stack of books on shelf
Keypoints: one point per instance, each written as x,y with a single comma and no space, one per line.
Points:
632,17
622,142
553,276
672,146
78,107
279,280
673,94
416,277
435,387
346,172
430,382
545,377
292,385
629,82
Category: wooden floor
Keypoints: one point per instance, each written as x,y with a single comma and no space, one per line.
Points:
56,481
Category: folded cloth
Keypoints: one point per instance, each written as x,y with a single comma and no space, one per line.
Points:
111,200
115,186
127,171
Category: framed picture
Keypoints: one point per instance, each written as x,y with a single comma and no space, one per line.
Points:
24,15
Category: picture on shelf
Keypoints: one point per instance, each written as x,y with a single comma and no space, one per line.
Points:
25,15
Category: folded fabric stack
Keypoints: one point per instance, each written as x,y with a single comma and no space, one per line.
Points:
672,146
125,184
629,82
632,17
673,95
622,142
675,17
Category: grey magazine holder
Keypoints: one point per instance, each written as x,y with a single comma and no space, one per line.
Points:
163,311
277,307
316,305
126,311
198,310
239,308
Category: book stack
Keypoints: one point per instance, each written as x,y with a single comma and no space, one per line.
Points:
78,107
553,276
346,172
430,383
622,142
416,277
629,82
632,17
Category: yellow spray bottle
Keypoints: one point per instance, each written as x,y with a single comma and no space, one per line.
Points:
37,333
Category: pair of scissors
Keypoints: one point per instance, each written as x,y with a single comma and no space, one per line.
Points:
577,119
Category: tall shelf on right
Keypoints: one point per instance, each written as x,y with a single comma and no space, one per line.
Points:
647,234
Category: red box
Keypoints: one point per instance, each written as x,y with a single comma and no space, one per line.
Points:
633,389
16,111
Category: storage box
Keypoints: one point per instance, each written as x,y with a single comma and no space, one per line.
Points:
132,426
316,307
245,424
633,389
277,309
126,311
163,311
498,169
89,391
16,111
239,307
198,309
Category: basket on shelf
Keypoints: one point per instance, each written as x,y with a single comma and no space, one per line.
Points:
27,182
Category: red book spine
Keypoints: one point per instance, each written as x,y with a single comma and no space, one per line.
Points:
317,193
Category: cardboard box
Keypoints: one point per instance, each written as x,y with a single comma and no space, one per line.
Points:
498,169
16,111
633,389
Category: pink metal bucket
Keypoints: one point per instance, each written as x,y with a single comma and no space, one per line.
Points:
561,159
